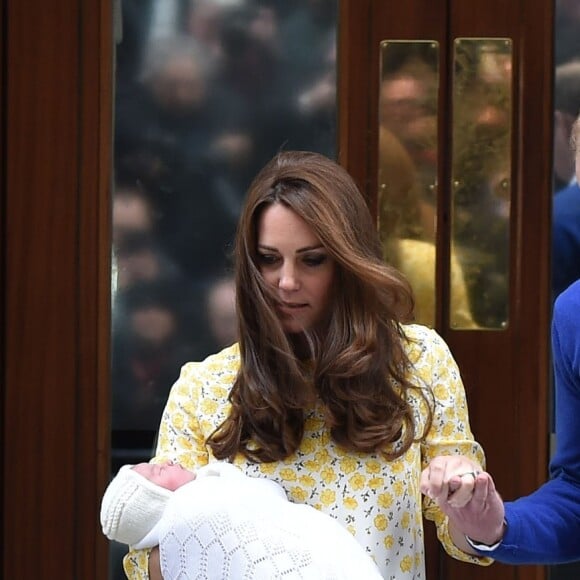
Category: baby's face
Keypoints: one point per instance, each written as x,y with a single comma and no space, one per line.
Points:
168,475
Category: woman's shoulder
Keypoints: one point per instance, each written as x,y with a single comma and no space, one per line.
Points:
419,333
219,367
229,356
208,380
421,341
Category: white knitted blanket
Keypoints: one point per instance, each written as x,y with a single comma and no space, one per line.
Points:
233,527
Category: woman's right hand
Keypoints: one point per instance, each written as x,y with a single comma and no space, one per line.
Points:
154,565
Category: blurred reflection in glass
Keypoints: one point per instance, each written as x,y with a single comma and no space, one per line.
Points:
207,92
407,177
408,104
481,202
220,304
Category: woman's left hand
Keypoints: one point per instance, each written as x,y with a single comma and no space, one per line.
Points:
467,495
450,479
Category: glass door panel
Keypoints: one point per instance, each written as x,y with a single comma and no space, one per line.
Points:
207,91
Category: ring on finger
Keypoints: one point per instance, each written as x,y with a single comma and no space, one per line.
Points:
473,474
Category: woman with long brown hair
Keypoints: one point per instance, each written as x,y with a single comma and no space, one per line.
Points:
330,390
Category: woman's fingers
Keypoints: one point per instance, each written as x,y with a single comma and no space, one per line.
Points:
450,479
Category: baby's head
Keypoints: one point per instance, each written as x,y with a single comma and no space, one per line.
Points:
135,499
168,475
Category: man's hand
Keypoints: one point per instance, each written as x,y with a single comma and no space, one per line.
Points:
467,496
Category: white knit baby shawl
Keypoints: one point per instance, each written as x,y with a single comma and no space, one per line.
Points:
225,525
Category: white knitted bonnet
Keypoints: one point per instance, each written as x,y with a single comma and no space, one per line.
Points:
131,506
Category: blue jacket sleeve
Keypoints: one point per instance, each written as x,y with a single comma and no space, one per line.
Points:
544,527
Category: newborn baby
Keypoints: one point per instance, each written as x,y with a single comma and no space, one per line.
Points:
220,523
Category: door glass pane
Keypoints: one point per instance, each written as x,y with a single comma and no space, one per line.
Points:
207,91
408,156
566,193
481,178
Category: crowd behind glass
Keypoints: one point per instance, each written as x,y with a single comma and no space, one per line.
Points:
206,92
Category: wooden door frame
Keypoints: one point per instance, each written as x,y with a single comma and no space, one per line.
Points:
56,137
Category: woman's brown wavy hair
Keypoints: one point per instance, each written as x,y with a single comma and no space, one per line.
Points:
360,367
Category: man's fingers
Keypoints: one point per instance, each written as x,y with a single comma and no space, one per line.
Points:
481,490
463,487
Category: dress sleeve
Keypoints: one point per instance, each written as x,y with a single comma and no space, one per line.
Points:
180,440
450,433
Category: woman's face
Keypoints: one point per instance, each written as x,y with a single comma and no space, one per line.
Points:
294,262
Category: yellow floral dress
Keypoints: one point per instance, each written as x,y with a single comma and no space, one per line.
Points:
378,501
